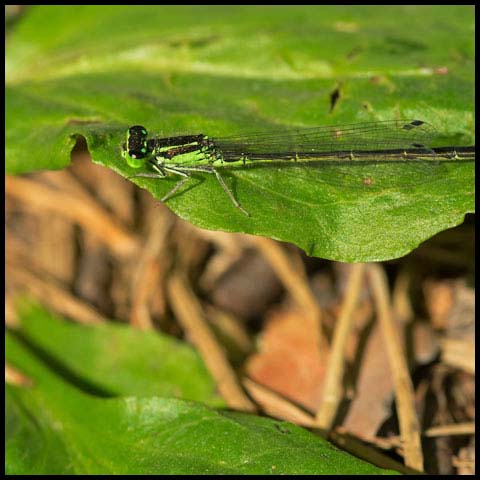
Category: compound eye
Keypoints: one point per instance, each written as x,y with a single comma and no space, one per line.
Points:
137,142
138,130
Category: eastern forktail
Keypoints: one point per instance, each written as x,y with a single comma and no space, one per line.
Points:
392,140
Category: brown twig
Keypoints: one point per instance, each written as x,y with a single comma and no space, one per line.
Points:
277,406
11,317
467,428
229,326
17,378
358,448
89,215
333,390
404,393
295,281
402,305
151,268
190,314
52,295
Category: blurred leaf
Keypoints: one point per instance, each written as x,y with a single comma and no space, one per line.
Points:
113,359
56,428
95,70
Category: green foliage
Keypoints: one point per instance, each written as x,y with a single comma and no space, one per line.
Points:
121,360
95,70
94,409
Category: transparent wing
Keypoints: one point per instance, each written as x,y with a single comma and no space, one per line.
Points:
365,138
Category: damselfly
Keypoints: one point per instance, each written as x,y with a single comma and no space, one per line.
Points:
384,141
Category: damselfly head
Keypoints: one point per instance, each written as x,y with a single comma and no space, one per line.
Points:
135,149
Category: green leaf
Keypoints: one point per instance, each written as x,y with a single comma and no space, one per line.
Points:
114,359
56,427
95,70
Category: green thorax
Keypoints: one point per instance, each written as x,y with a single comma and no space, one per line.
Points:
200,151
